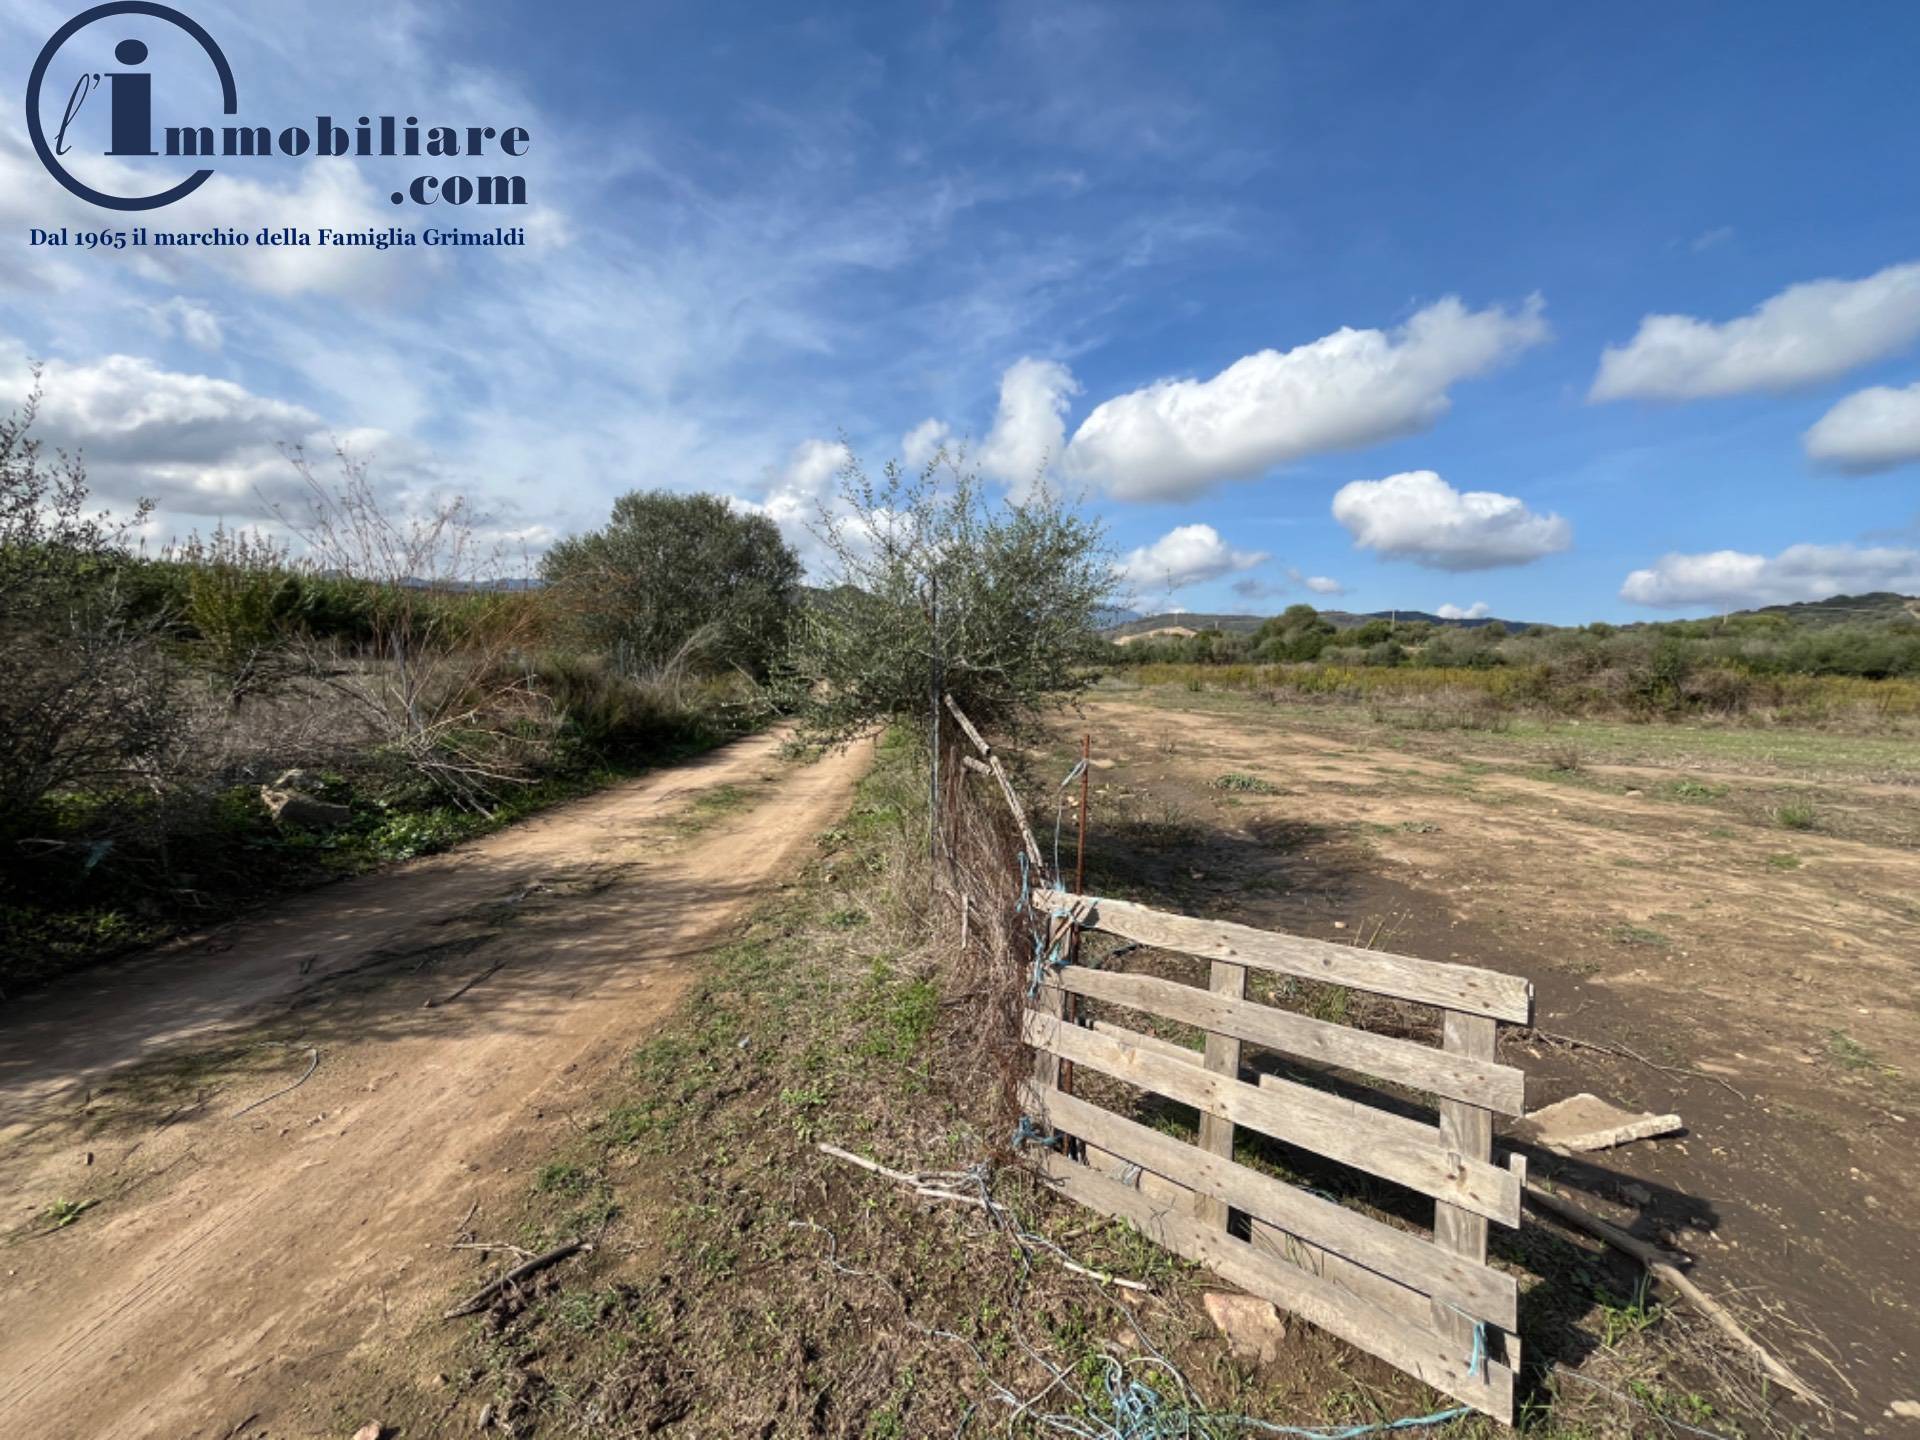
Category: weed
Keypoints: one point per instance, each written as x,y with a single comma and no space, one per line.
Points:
1795,815
1694,792
1638,935
1850,1054
63,1213
1783,862
563,1180
1621,1321
1249,784
1566,758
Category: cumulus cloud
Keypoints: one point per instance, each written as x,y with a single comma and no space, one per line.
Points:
1175,438
1030,428
797,492
1806,334
1873,429
920,444
1186,555
1418,516
196,445
1478,610
1800,572
1322,584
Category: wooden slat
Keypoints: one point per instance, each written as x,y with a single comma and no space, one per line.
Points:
1426,982
1401,1150
1419,1352
1410,1260
1222,1057
1465,1077
1467,1129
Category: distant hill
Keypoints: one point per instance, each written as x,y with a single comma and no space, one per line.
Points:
1247,624
1880,605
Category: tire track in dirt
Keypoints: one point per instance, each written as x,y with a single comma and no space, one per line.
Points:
244,1259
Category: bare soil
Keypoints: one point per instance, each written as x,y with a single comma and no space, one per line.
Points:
183,1262
1744,918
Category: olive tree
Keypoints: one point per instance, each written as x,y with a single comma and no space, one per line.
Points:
932,581
673,579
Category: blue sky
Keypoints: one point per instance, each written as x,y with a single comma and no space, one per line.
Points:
1402,236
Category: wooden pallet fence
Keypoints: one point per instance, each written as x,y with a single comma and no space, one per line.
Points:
1427,1303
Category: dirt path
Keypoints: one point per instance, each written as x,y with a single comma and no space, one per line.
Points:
458,1007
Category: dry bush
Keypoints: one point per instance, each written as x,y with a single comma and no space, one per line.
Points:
440,679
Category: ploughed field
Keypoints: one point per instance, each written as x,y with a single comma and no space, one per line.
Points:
1733,912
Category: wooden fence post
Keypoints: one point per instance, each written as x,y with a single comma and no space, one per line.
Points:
1467,1130
1223,1058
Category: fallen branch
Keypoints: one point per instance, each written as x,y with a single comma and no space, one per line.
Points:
1031,845
431,1002
1661,1266
485,1295
917,1183
1624,1052
312,1065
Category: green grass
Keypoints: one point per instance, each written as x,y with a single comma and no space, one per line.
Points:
1248,784
63,1213
1796,815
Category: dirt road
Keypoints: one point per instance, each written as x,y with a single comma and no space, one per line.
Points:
459,1007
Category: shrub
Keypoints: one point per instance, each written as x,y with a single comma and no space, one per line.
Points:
678,578
933,583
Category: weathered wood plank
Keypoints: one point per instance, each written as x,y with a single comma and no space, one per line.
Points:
1467,1129
1421,1353
1383,1144
1222,1057
1408,1259
1440,1072
1426,982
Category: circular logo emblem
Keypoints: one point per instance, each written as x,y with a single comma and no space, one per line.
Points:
127,52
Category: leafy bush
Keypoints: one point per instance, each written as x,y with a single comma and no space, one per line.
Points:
674,579
931,579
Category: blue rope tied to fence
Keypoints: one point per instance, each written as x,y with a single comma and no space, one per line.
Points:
1139,1413
1027,1133
1045,956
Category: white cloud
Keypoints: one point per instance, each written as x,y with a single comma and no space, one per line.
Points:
194,323
1187,555
1806,334
1872,429
920,444
1800,572
1323,585
798,492
1708,239
1418,516
1478,610
196,445
1030,429
1176,438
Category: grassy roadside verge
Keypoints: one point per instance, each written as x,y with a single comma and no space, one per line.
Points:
743,1283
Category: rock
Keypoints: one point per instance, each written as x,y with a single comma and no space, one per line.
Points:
1253,1327
372,1430
290,780
290,807
1586,1122
1907,1409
